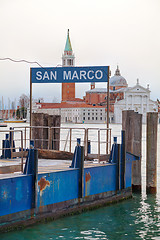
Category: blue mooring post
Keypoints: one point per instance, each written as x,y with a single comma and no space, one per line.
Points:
31,167
118,175
78,162
6,151
123,160
89,147
78,141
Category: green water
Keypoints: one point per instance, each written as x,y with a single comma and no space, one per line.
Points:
136,218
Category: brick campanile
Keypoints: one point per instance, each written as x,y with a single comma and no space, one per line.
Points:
68,89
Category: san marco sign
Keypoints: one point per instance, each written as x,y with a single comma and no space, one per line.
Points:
69,75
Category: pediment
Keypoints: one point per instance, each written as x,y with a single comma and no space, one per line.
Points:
138,89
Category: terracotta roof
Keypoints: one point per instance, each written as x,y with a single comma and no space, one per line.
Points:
68,105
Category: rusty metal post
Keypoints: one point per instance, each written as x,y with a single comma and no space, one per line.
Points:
151,152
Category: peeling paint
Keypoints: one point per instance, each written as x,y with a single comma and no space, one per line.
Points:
88,177
43,183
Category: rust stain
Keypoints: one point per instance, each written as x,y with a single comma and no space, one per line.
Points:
88,177
43,183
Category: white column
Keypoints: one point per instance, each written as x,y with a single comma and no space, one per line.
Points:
126,102
141,104
132,98
147,110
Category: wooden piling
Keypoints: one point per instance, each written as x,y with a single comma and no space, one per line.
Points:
132,124
151,152
44,138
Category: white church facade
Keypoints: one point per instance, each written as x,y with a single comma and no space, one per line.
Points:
136,98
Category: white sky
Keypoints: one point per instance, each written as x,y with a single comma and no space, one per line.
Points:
102,32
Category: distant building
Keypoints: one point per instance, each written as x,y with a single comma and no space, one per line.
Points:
73,112
136,98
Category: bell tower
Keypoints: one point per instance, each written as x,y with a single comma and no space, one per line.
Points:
68,89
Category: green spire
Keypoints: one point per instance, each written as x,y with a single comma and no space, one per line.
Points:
68,46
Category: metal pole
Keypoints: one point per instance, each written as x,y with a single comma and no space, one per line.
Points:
30,102
107,109
99,145
22,151
25,136
70,142
87,142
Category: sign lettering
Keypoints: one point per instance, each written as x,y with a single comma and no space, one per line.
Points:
69,74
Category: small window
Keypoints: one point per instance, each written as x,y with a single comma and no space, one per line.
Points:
83,118
92,118
100,118
88,113
88,118
96,118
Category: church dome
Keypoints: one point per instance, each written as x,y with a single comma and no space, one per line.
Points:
118,80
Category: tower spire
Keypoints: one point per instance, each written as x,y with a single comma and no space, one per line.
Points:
68,89
68,47
117,72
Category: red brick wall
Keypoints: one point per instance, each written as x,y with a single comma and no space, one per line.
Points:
68,91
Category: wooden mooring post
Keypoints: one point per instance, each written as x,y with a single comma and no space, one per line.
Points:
151,152
132,124
44,137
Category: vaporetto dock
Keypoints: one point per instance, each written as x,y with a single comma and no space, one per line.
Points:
33,189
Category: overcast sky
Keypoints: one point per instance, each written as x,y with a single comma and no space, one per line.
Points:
102,32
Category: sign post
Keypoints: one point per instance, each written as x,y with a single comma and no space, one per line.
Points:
69,75
30,103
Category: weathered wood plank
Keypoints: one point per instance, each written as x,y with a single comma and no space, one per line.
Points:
54,154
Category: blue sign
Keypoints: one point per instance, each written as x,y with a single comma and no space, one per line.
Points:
69,74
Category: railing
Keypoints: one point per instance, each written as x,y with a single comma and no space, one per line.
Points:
56,138
8,135
65,138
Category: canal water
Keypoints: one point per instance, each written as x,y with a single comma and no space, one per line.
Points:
136,218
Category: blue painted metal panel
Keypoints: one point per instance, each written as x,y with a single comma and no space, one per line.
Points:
128,174
15,194
69,74
57,187
99,179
